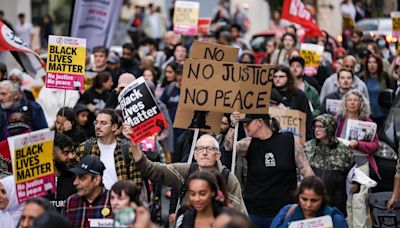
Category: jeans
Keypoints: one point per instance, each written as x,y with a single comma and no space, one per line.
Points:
260,221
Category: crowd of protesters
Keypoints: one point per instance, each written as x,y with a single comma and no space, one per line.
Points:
99,172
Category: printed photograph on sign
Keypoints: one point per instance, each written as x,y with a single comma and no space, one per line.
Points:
33,165
140,111
360,130
65,67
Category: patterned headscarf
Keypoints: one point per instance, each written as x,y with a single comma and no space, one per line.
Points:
329,123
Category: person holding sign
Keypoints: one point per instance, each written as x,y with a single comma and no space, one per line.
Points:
312,201
355,106
113,152
289,96
331,102
330,159
331,83
175,175
273,154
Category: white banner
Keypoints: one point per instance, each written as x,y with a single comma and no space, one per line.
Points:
95,20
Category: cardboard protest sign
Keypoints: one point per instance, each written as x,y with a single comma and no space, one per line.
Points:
202,50
32,161
140,110
395,23
185,19
65,63
311,54
318,222
291,120
216,52
203,26
226,86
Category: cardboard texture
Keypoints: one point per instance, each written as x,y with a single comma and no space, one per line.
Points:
226,87
203,50
291,120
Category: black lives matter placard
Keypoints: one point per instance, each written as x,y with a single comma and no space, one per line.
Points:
140,110
226,86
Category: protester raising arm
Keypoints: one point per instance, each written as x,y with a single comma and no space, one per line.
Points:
243,145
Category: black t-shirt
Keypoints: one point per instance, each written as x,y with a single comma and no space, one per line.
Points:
64,189
271,177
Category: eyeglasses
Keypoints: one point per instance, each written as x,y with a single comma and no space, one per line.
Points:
208,148
102,123
279,76
319,127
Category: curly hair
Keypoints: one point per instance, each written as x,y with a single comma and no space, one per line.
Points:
365,109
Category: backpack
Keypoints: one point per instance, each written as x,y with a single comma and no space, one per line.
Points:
124,147
193,168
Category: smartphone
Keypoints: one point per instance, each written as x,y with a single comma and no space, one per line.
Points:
124,217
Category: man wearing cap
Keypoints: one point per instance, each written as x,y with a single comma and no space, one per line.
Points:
11,101
272,160
92,200
297,64
174,175
113,66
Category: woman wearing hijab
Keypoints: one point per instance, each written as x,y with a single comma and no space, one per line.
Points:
10,209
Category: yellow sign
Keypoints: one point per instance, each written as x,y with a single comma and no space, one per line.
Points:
186,15
33,165
311,54
65,66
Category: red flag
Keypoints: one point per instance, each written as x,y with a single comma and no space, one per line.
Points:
296,12
26,57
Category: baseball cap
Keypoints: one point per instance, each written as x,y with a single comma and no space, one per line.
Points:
89,164
113,59
250,117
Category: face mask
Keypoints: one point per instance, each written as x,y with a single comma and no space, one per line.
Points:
381,43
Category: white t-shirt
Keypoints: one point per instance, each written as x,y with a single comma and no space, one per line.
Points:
107,157
24,32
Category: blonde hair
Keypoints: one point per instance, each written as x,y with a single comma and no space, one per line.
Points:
364,111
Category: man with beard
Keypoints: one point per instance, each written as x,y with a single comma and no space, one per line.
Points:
64,159
129,61
11,101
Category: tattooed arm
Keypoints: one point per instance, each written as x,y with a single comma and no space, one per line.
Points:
301,161
241,146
